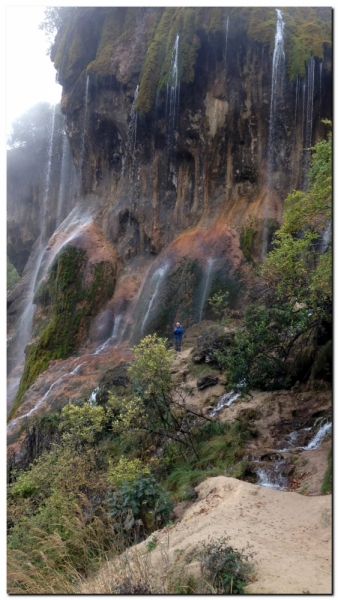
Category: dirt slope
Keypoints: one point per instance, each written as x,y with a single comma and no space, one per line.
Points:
290,534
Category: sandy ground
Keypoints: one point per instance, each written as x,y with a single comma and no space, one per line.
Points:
289,533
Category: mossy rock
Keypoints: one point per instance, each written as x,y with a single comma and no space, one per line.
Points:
71,307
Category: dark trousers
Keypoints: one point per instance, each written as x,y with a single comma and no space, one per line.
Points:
178,344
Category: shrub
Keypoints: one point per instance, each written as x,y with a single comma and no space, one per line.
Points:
226,569
126,471
142,499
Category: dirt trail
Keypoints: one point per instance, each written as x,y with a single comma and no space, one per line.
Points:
290,534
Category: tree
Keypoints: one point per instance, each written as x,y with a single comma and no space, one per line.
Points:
158,405
34,128
298,268
55,17
288,334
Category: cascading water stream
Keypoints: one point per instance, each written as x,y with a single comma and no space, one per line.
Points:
172,101
43,398
320,87
226,40
225,400
110,341
317,440
303,112
25,321
132,132
206,286
309,115
67,182
128,321
84,126
158,277
278,63
296,107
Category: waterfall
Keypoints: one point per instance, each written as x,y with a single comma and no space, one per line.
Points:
43,398
226,40
67,182
206,286
25,322
303,113
309,117
225,400
43,213
309,107
278,62
320,86
296,107
272,477
112,338
132,132
173,93
158,278
326,238
84,125
322,432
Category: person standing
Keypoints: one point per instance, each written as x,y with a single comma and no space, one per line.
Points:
178,333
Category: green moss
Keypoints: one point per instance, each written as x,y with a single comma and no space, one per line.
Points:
247,240
215,19
71,306
307,30
111,31
152,66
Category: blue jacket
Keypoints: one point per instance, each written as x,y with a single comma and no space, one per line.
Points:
178,332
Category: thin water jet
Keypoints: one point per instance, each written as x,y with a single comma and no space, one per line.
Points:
158,277
206,286
278,63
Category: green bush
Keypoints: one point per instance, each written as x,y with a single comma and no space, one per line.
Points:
142,499
226,569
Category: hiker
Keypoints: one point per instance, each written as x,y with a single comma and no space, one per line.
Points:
178,332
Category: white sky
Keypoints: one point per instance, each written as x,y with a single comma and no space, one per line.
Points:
30,74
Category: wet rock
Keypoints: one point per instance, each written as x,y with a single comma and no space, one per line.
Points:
102,326
206,381
214,338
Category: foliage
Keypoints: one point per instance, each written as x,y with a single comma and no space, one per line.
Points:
68,303
260,356
283,339
143,498
307,31
219,448
33,128
55,17
126,471
247,239
80,424
227,570
219,303
294,267
12,275
151,369
158,405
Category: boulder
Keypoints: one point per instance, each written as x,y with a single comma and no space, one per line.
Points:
207,381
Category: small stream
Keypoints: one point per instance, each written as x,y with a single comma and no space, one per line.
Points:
275,473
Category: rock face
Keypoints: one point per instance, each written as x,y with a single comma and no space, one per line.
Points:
186,132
